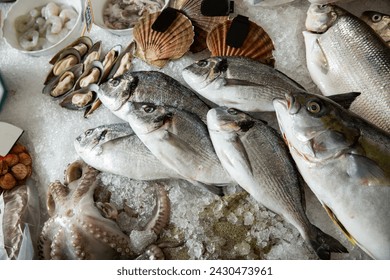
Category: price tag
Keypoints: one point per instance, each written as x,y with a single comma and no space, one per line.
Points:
215,8
165,19
88,16
9,134
238,31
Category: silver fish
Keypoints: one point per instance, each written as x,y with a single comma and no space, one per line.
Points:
116,149
345,160
180,140
379,22
256,157
238,82
150,87
349,56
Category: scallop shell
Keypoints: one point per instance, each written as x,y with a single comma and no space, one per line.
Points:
257,45
157,48
191,8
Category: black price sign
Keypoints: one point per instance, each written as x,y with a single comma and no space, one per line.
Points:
88,15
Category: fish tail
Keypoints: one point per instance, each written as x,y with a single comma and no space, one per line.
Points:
323,244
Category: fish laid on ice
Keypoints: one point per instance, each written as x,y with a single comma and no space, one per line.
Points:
256,157
180,140
379,22
348,56
238,82
115,148
150,87
345,160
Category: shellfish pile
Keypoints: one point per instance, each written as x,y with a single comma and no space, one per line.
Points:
79,68
45,26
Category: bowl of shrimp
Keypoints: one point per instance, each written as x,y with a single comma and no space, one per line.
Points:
120,16
42,27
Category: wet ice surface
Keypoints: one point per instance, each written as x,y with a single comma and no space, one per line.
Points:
235,227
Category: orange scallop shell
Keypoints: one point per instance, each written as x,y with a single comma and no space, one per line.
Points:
157,48
257,45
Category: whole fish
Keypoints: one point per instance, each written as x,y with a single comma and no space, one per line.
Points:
180,140
256,157
349,56
238,82
345,160
116,149
379,22
150,87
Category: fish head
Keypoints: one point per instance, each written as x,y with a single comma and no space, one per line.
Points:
148,117
205,72
90,141
315,127
117,91
224,119
321,17
377,20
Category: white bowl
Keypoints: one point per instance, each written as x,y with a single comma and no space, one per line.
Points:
22,7
98,8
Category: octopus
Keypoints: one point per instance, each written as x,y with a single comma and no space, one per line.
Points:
79,227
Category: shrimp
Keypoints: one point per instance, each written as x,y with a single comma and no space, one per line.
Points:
29,39
24,23
54,24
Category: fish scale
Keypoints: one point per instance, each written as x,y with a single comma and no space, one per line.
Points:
357,60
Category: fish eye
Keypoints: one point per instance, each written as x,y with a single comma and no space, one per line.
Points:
376,18
202,63
114,82
323,6
231,111
313,107
88,132
148,108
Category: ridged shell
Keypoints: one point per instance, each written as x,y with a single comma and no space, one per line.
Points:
157,48
257,45
191,8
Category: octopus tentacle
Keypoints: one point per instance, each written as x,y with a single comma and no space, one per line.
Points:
87,183
57,194
161,212
153,252
57,250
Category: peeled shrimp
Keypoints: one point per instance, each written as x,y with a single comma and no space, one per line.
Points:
29,40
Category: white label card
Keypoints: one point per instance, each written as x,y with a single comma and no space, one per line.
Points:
9,134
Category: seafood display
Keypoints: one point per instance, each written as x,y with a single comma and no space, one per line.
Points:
224,133
15,167
45,26
123,14
341,156
79,228
360,62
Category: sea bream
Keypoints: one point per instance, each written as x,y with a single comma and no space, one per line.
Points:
180,140
151,87
345,161
115,148
256,157
238,82
344,55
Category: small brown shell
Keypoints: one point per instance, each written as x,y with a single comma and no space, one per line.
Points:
82,45
157,48
257,45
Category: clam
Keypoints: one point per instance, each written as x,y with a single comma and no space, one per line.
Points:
90,109
93,54
64,83
81,98
157,48
81,45
110,59
123,62
257,44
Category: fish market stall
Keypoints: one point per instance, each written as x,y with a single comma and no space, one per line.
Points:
198,224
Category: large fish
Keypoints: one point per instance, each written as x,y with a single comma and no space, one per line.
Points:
256,157
379,22
180,140
150,87
238,82
349,56
345,160
115,148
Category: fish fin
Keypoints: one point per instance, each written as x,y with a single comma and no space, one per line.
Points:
323,244
320,57
218,190
365,170
344,99
334,218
